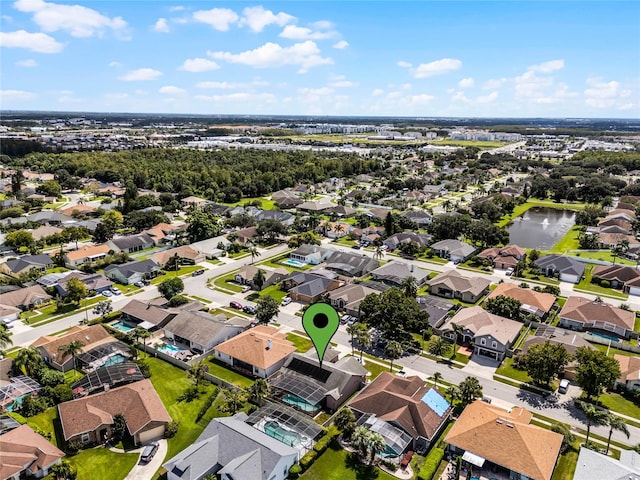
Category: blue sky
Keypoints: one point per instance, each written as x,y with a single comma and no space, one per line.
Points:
419,58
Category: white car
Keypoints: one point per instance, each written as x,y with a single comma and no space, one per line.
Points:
107,293
286,301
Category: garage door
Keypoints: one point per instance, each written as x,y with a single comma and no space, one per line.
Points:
149,435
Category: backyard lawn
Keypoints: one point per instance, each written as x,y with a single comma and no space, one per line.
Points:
566,466
273,291
337,464
302,344
568,242
217,369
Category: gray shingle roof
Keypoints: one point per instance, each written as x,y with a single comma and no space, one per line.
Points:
561,264
132,241
130,268
21,263
202,327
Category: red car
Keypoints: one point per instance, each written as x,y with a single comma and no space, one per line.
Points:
236,305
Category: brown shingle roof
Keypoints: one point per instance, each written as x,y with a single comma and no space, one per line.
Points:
619,273
22,447
90,335
539,300
87,251
251,347
24,296
506,438
397,399
146,312
580,309
457,283
138,402
481,322
185,251
629,366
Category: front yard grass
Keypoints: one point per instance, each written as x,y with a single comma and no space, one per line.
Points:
603,255
338,464
175,273
617,403
219,370
227,282
568,242
102,464
302,344
508,370
273,291
567,462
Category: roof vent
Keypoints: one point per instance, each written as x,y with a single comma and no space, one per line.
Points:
499,421
269,344
510,425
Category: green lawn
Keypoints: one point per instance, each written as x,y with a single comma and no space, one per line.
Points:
221,371
508,370
567,462
273,291
604,255
338,464
226,282
51,312
45,422
267,204
613,351
585,284
175,273
302,344
170,382
617,403
568,242
102,464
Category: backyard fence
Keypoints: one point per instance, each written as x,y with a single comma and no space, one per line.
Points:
613,343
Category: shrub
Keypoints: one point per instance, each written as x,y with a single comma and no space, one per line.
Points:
605,283
144,368
74,446
190,394
172,429
307,460
431,464
295,471
207,405
389,465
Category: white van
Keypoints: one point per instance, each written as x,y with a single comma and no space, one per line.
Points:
564,385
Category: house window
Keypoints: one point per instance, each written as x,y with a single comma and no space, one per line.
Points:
85,438
494,344
483,342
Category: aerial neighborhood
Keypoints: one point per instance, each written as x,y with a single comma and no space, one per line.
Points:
153,285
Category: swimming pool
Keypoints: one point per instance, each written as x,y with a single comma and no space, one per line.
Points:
169,349
613,338
123,327
115,360
299,402
294,263
273,429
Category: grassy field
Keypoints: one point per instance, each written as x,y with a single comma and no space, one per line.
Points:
617,403
273,291
226,282
221,371
102,464
568,242
603,255
338,464
302,344
613,351
566,466
266,203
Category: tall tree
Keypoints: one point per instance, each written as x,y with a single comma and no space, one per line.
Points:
234,398
377,445
171,287
28,361
259,391
616,423
113,220
267,309
5,336
567,435
437,376
595,371
360,440
76,291
253,251
470,390
197,372
20,239
73,348
363,337
259,279
504,306
409,287
594,416
545,361
378,252
393,351
439,346
103,308
345,420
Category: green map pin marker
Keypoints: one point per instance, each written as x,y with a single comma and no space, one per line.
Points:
321,322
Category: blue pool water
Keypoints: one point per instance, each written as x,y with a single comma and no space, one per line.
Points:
123,327
285,436
613,338
293,263
170,349
300,403
114,360
16,404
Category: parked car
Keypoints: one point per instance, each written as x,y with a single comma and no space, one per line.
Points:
107,293
564,386
509,271
149,452
139,284
198,272
236,305
286,301
249,309
115,291
356,247
245,289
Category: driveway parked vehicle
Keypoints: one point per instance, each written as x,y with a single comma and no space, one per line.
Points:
148,452
236,305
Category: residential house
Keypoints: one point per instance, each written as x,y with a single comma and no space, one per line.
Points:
593,465
132,272
90,419
491,334
435,190
567,269
44,231
343,211
311,254
504,257
532,302
79,210
165,233
8,314
453,250
314,206
314,387
308,287
229,448
25,264
397,272
272,276
334,230
186,254
394,241
26,298
284,218
630,372
193,202
406,412
610,240
437,309
489,437
97,347
131,243
146,315
349,297
451,284
351,264
579,313
619,276
285,199
245,236
203,331
260,352
49,217
85,254
25,453
379,213
212,247
420,217
95,282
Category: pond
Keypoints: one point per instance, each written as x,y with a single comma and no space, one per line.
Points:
540,227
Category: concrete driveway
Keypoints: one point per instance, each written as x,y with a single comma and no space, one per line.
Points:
148,470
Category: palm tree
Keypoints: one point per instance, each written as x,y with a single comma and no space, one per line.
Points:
197,372
28,361
360,440
253,251
436,377
259,391
352,330
458,331
379,252
470,390
234,398
453,393
5,336
376,445
594,416
142,333
409,287
393,351
619,249
363,337
616,423
439,346
345,420
259,279
338,228
72,348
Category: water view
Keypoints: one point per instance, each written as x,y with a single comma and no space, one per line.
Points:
540,227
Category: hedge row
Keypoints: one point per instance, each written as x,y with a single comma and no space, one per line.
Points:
207,404
311,456
431,464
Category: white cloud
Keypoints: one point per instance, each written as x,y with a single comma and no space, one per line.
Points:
341,45
419,99
494,83
141,74
218,18
161,26
9,95
460,97
36,42
78,20
601,94
305,55
177,8
220,85
466,83
548,67
294,32
437,67
377,92
198,65
172,90
403,64
529,85
141,92
322,91
27,63
114,64
257,18
492,97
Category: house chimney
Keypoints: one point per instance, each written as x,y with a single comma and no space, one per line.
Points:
269,344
